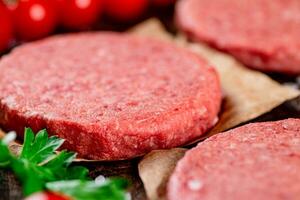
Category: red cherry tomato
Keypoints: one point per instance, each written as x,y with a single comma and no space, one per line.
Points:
6,28
125,10
162,2
79,14
34,19
46,196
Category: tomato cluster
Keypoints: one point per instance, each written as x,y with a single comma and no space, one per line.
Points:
27,20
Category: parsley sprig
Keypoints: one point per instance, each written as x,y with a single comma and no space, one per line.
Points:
39,168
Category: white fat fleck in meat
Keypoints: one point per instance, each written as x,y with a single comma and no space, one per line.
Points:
264,157
203,78
151,142
296,141
287,125
31,113
202,110
232,146
117,124
49,115
142,120
249,161
289,15
10,101
195,184
259,145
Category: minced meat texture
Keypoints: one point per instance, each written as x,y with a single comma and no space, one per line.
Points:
257,161
263,34
111,96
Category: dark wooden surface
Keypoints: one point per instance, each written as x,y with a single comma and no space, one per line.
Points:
11,190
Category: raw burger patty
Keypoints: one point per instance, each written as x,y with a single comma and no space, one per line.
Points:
257,161
111,96
263,34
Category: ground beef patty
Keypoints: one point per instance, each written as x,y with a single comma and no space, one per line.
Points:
111,96
263,34
256,161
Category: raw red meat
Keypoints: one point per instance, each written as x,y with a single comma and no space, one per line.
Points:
256,161
111,96
263,34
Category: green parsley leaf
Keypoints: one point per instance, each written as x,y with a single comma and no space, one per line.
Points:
41,147
39,167
77,172
31,176
59,166
5,155
89,190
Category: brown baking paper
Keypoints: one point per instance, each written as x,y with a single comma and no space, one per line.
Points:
247,95
156,167
2,134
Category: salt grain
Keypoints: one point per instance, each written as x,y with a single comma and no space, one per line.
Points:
128,196
99,180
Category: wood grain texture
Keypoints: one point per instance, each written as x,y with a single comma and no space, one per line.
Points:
10,188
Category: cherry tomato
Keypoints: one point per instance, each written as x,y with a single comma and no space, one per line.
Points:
6,28
162,2
34,19
46,196
79,14
125,10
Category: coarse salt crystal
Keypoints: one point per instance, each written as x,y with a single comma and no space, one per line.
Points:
128,196
99,180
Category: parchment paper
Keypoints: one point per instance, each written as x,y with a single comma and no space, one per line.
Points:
159,165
